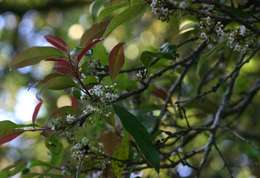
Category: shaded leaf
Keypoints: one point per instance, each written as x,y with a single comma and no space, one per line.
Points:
34,55
141,136
95,32
110,140
56,149
56,82
160,93
57,42
116,60
122,153
128,14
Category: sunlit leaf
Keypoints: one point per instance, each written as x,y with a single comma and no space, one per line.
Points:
116,60
34,55
141,136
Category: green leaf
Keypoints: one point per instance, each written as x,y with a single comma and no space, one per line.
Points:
128,14
56,82
122,153
107,11
56,150
14,169
147,58
116,60
34,55
141,136
95,7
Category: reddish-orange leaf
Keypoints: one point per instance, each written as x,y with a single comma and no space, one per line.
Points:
62,66
116,60
36,111
160,93
74,102
95,32
87,47
9,137
57,42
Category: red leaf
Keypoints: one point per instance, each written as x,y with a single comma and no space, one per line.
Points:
62,66
160,93
9,137
116,60
57,42
95,32
36,111
74,102
87,47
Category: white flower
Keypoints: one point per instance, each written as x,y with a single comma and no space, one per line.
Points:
203,36
97,90
70,119
84,141
242,30
237,47
183,5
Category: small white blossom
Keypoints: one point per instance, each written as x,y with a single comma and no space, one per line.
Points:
242,30
70,119
203,36
183,5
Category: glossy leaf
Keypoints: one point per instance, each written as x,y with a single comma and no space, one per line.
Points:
56,82
34,55
116,60
57,42
141,136
128,14
95,32
36,111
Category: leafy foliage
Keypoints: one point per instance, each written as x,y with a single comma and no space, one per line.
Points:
155,87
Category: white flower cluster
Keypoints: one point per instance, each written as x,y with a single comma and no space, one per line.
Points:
89,109
70,118
141,74
160,9
104,92
80,149
54,124
234,38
